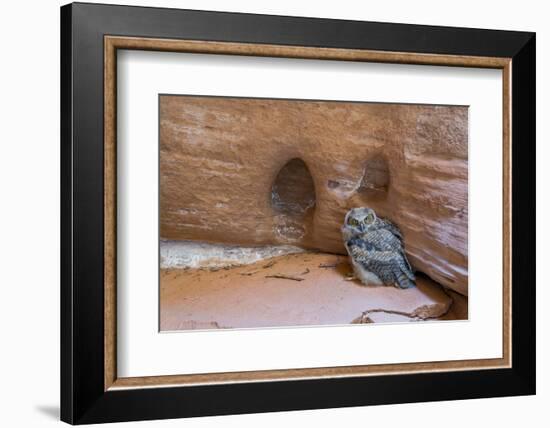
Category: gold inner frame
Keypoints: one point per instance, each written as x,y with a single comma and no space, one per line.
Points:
112,43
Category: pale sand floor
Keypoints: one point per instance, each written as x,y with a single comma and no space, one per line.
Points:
294,290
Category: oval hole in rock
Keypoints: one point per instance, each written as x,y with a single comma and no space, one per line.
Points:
376,177
293,201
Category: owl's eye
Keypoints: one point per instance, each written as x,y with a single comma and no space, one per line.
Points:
369,218
353,221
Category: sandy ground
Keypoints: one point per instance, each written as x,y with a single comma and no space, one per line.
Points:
293,290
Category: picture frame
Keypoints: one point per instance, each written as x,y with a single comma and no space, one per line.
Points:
91,35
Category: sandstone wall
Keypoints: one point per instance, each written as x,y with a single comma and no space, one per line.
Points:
227,168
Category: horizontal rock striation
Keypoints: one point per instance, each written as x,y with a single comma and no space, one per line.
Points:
227,168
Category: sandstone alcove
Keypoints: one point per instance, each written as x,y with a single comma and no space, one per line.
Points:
376,178
251,237
293,201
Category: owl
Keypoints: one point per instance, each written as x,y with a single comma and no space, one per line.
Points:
376,249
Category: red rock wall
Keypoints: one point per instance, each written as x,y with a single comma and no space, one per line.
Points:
220,159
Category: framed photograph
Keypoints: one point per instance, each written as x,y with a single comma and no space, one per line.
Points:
265,213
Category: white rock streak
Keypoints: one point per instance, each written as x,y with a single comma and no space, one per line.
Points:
190,254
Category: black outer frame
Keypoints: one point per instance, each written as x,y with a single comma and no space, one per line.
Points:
83,399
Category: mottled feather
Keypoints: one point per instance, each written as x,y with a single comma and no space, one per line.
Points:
376,247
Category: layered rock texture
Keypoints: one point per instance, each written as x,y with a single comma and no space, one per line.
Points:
266,172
